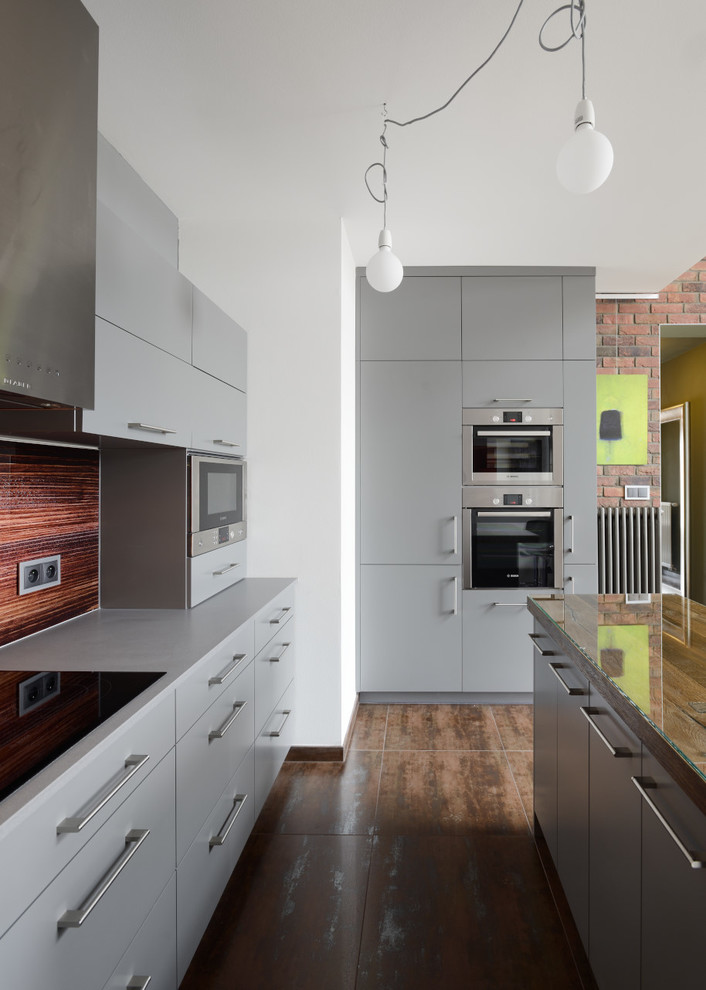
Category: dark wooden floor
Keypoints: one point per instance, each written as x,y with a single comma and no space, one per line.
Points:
411,866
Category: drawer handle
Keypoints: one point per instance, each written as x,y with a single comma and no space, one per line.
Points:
132,765
278,731
219,733
572,537
695,864
150,429
555,668
218,840
614,750
544,653
285,647
227,443
511,402
139,983
133,841
227,671
224,570
511,605
276,622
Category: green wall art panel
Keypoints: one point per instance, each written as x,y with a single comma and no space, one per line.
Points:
621,427
624,654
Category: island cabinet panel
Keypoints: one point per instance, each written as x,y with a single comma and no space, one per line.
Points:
419,321
518,316
673,891
614,850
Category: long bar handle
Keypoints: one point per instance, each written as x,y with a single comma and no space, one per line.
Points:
510,605
227,671
276,622
454,609
75,918
555,668
221,731
276,659
695,864
510,402
150,429
513,433
218,840
224,570
69,825
616,751
572,532
227,443
278,732
545,653
514,513
139,983
454,549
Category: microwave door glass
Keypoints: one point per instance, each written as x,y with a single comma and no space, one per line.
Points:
220,495
512,549
512,452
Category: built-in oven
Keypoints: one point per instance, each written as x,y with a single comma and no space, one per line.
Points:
516,446
512,537
217,502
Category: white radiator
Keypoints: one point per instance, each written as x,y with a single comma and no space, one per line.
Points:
629,557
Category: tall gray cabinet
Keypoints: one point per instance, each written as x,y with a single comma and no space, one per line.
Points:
444,340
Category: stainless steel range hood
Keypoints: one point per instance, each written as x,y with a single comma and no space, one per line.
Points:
48,138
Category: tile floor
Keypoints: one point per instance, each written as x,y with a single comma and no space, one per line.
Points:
410,866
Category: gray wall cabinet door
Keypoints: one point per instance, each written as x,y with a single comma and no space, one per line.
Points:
419,321
614,851
410,628
518,317
218,415
219,343
497,654
579,318
513,383
410,462
580,536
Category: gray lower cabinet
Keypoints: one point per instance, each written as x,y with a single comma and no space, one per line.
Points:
580,579
512,315
410,462
152,954
580,540
497,656
513,383
419,321
410,628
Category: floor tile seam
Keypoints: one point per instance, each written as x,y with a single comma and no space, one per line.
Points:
447,750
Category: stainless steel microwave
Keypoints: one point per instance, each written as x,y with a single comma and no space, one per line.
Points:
217,502
513,446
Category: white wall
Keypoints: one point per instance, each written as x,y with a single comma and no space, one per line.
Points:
287,292
348,476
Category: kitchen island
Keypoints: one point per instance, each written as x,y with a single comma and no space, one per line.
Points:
620,778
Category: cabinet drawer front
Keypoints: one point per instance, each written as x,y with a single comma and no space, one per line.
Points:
497,653
272,618
152,952
212,676
274,669
34,852
36,953
272,744
208,754
204,871
211,572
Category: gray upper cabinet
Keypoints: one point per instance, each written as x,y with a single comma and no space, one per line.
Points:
419,321
513,383
218,415
410,462
138,289
518,317
219,344
580,540
579,318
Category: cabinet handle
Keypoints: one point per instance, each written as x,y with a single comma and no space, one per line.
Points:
133,841
285,647
132,765
218,840
150,429
278,732
227,671
514,433
695,864
511,605
224,570
454,548
139,983
544,653
220,732
572,534
614,750
510,402
555,668
454,610
276,622
227,443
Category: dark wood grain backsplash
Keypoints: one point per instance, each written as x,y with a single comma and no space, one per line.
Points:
48,505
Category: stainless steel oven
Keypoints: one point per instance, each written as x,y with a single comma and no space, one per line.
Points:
217,503
512,537
516,446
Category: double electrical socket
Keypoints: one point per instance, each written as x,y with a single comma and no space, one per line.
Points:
38,689
44,572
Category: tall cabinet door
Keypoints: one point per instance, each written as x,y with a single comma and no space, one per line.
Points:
410,462
580,533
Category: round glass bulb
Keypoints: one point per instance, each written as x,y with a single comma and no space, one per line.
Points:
384,271
585,161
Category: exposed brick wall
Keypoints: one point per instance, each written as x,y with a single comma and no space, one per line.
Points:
627,343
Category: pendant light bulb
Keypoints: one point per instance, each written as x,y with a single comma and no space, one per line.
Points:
384,271
586,160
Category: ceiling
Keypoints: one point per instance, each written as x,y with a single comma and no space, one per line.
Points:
245,111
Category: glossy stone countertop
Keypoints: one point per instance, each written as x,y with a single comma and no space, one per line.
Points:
653,651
